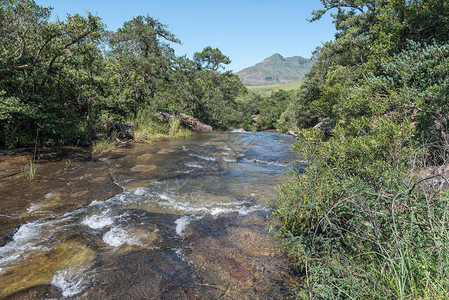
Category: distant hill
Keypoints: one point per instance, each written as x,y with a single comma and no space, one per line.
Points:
276,70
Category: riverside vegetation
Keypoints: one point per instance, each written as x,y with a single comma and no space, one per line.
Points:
368,218
67,78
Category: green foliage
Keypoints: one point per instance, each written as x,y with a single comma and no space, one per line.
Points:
211,59
271,109
176,129
363,220
43,67
356,224
138,63
215,99
148,127
66,77
299,114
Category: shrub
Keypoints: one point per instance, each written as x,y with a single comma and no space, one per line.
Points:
356,224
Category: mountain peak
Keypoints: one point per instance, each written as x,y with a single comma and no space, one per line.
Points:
275,58
276,69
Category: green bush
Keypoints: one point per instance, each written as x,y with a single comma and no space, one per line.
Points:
354,221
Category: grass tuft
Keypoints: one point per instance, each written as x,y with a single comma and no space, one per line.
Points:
150,128
103,146
32,169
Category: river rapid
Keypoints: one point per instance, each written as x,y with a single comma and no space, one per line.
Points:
180,219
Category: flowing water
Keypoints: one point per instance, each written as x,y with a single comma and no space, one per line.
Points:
189,223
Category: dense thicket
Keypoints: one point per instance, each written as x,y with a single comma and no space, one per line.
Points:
369,217
67,77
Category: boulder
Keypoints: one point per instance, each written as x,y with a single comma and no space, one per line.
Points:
238,130
291,132
325,127
194,123
117,130
186,120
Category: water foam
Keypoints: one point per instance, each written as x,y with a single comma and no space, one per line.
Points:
181,225
202,157
168,196
242,207
264,162
140,191
193,165
71,281
229,160
118,236
180,253
98,221
95,202
33,207
24,241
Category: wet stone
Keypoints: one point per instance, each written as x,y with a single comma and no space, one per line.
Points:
43,291
237,257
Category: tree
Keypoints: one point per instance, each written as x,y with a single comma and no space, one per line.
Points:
140,62
211,59
39,66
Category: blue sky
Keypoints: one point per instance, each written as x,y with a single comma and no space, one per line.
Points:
245,30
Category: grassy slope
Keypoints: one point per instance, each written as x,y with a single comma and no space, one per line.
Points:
266,90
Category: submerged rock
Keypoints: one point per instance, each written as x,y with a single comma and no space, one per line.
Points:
66,179
182,220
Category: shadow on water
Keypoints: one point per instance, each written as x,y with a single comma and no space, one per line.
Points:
187,222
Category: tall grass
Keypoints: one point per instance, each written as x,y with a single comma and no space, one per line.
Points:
176,129
149,128
103,145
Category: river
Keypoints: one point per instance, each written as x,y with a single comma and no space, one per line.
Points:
187,221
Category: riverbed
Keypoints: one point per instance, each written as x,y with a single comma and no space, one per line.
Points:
178,219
